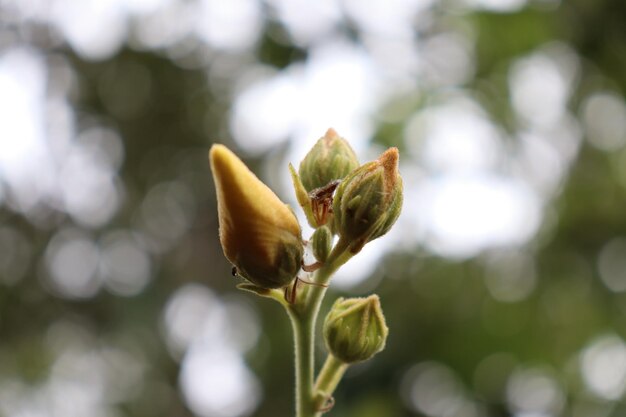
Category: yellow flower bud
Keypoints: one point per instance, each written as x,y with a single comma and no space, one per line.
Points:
260,235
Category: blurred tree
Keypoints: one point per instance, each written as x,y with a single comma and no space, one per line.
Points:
536,326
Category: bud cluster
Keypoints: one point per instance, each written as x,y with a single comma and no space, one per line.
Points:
348,205
359,203
260,234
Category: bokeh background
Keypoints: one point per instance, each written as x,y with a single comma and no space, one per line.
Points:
503,282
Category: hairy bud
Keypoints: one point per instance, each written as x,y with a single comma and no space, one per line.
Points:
331,158
355,329
322,241
368,201
260,235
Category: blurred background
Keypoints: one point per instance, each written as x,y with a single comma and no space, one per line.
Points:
503,282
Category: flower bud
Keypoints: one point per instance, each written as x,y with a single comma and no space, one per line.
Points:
322,241
260,235
331,158
355,329
368,201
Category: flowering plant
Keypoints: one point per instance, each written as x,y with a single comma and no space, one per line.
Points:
348,205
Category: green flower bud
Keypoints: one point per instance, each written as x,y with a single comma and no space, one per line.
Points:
322,241
331,158
368,201
355,329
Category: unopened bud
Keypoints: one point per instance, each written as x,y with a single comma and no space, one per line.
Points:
331,158
368,201
260,235
322,241
355,329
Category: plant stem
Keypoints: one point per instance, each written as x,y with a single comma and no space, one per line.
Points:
303,317
304,332
328,379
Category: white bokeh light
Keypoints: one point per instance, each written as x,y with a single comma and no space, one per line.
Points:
125,264
72,259
336,87
612,264
265,112
216,383
603,367
511,276
200,331
231,25
307,21
165,214
194,315
446,59
433,389
386,18
541,84
96,29
22,138
357,269
88,185
604,116
464,215
463,200
166,26
49,167
502,6
187,311
534,390
454,137
541,163
546,154
141,7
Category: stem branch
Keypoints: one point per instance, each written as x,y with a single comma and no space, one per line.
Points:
303,317
328,379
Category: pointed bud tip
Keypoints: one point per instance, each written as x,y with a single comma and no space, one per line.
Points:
330,137
331,134
373,300
222,158
389,159
217,151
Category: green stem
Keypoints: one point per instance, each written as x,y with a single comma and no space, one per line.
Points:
303,317
304,333
328,379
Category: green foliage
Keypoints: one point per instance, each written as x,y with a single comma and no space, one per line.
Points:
169,110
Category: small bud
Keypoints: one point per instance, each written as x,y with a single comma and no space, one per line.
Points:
331,158
259,233
322,241
368,201
355,329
